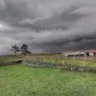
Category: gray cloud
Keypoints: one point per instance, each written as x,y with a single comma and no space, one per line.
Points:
48,25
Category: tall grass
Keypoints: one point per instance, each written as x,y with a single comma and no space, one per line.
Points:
9,58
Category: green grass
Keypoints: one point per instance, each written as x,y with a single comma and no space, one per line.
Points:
20,80
63,60
87,63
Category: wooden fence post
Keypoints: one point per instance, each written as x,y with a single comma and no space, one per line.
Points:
63,62
53,61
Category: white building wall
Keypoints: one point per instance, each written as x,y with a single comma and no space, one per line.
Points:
91,53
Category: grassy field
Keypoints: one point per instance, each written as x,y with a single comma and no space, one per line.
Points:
9,58
20,80
50,59
61,60
91,64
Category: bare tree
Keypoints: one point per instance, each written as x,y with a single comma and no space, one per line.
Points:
15,49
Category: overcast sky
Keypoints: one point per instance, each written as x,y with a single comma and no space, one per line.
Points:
48,25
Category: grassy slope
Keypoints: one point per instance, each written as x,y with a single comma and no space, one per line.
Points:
19,80
9,58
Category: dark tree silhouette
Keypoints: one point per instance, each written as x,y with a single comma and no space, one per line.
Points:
15,49
24,49
28,52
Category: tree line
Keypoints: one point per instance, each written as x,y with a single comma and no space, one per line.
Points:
23,49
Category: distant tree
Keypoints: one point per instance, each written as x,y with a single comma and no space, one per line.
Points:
24,49
28,52
15,49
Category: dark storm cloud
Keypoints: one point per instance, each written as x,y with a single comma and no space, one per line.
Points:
14,12
48,25
77,43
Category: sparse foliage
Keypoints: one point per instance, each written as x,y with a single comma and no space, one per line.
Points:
24,49
15,49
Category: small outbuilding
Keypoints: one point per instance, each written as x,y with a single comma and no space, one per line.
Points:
74,53
80,53
90,52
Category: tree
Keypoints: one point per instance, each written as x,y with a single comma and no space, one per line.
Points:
24,49
28,52
15,49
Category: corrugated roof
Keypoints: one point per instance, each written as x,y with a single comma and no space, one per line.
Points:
70,52
89,50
